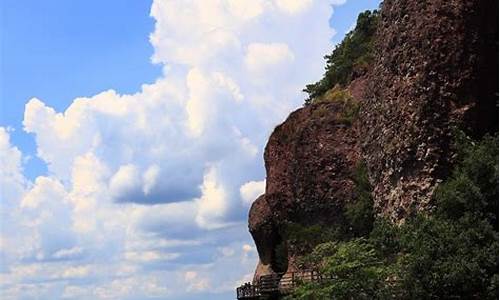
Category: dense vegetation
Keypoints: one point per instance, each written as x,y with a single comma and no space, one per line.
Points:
348,107
349,59
451,253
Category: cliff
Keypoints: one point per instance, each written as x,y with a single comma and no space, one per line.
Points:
434,70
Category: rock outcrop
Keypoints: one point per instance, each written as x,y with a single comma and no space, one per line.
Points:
435,69
309,161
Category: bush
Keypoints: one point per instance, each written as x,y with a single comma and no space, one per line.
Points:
443,259
348,105
302,239
354,267
335,94
280,256
351,57
450,254
473,186
359,213
454,252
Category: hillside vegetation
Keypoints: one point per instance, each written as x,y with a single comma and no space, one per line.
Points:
450,254
386,181
350,59
447,252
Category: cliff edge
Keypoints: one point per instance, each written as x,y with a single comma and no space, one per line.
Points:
434,70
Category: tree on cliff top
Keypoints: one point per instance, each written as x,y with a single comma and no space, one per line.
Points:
350,58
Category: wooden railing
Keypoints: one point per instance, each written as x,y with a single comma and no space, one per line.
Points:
281,284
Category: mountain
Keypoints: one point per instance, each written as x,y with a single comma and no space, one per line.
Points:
377,138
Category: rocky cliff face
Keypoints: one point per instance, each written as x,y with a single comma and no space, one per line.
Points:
435,69
309,162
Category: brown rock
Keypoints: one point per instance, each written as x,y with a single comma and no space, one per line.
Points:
309,163
435,68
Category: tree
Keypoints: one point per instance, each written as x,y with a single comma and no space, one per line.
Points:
350,58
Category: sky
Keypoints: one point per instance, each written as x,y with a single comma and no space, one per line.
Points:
132,135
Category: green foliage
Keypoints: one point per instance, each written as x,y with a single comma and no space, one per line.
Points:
310,234
454,252
335,94
280,259
353,55
444,259
385,238
359,213
451,254
302,239
348,105
473,186
350,111
355,268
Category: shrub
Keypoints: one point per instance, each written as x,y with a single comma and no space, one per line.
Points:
280,256
302,239
359,213
355,268
352,56
454,252
336,94
444,259
349,107
473,186
450,254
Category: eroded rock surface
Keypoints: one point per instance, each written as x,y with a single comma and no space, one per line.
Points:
309,161
435,69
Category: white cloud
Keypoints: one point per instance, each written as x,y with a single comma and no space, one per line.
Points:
12,181
247,248
251,190
149,256
87,182
246,9
261,57
76,272
67,253
125,182
156,184
195,282
293,6
213,202
74,292
44,189
150,178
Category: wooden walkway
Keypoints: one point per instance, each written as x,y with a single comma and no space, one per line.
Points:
277,284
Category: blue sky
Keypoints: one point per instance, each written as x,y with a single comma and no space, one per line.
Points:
147,130
49,44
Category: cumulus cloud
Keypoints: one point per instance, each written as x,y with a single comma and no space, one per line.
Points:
156,184
293,6
261,57
12,180
44,189
213,202
251,190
